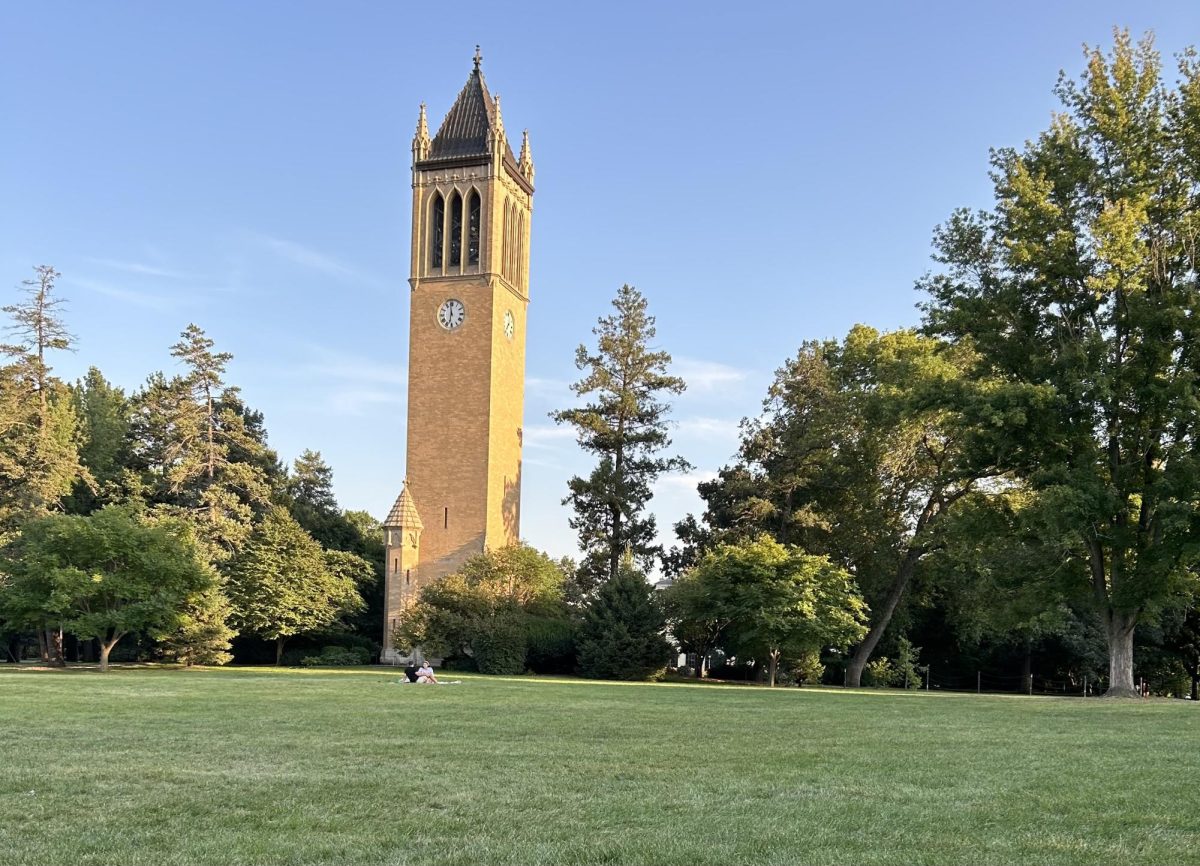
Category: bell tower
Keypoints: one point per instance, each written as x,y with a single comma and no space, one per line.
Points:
472,202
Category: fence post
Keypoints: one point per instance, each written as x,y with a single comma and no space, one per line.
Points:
978,682
928,670
1085,693
1031,684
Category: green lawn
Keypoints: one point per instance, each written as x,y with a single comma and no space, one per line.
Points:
264,766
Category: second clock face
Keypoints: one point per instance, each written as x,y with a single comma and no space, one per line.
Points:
451,314
510,324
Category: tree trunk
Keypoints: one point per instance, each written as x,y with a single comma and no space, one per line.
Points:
1195,685
1027,665
43,652
279,641
701,660
56,647
862,653
773,668
105,649
1120,655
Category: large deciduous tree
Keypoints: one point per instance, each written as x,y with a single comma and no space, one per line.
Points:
1079,290
771,601
488,609
104,576
624,424
864,446
281,584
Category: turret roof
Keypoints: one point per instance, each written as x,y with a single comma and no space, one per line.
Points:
404,513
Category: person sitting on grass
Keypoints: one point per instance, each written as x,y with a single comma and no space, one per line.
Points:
425,674
410,672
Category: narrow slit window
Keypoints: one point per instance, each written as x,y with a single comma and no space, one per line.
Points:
456,226
445,518
407,575
473,217
438,235
395,564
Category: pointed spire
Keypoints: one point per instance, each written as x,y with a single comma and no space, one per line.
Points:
420,145
525,163
478,58
404,513
471,126
497,130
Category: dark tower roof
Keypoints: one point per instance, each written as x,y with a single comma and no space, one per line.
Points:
464,131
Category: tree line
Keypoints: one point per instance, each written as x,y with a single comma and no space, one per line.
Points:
162,518
1015,481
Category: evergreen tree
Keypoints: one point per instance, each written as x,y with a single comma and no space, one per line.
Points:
39,459
200,454
39,455
621,633
104,418
625,426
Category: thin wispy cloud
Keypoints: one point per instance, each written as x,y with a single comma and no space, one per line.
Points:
548,436
684,482
146,300
328,364
707,428
140,269
544,387
363,401
703,375
314,260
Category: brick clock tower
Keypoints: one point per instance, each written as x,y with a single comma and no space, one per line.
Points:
472,201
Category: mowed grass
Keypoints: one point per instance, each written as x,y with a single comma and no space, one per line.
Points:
271,767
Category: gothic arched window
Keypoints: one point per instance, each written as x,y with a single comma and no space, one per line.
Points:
456,221
438,235
504,243
473,216
521,248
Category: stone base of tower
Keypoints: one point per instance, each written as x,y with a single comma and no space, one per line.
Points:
393,656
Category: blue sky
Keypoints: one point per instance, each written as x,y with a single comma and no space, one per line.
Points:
764,173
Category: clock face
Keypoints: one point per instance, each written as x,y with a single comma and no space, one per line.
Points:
451,314
510,324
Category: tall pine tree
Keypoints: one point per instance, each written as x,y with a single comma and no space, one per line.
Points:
624,424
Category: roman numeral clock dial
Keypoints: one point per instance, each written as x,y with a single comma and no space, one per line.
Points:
451,314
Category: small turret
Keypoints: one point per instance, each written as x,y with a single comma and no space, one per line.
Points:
402,541
525,163
420,145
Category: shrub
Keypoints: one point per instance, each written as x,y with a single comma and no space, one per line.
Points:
879,673
499,643
337,656
808,668
551,645
907,674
